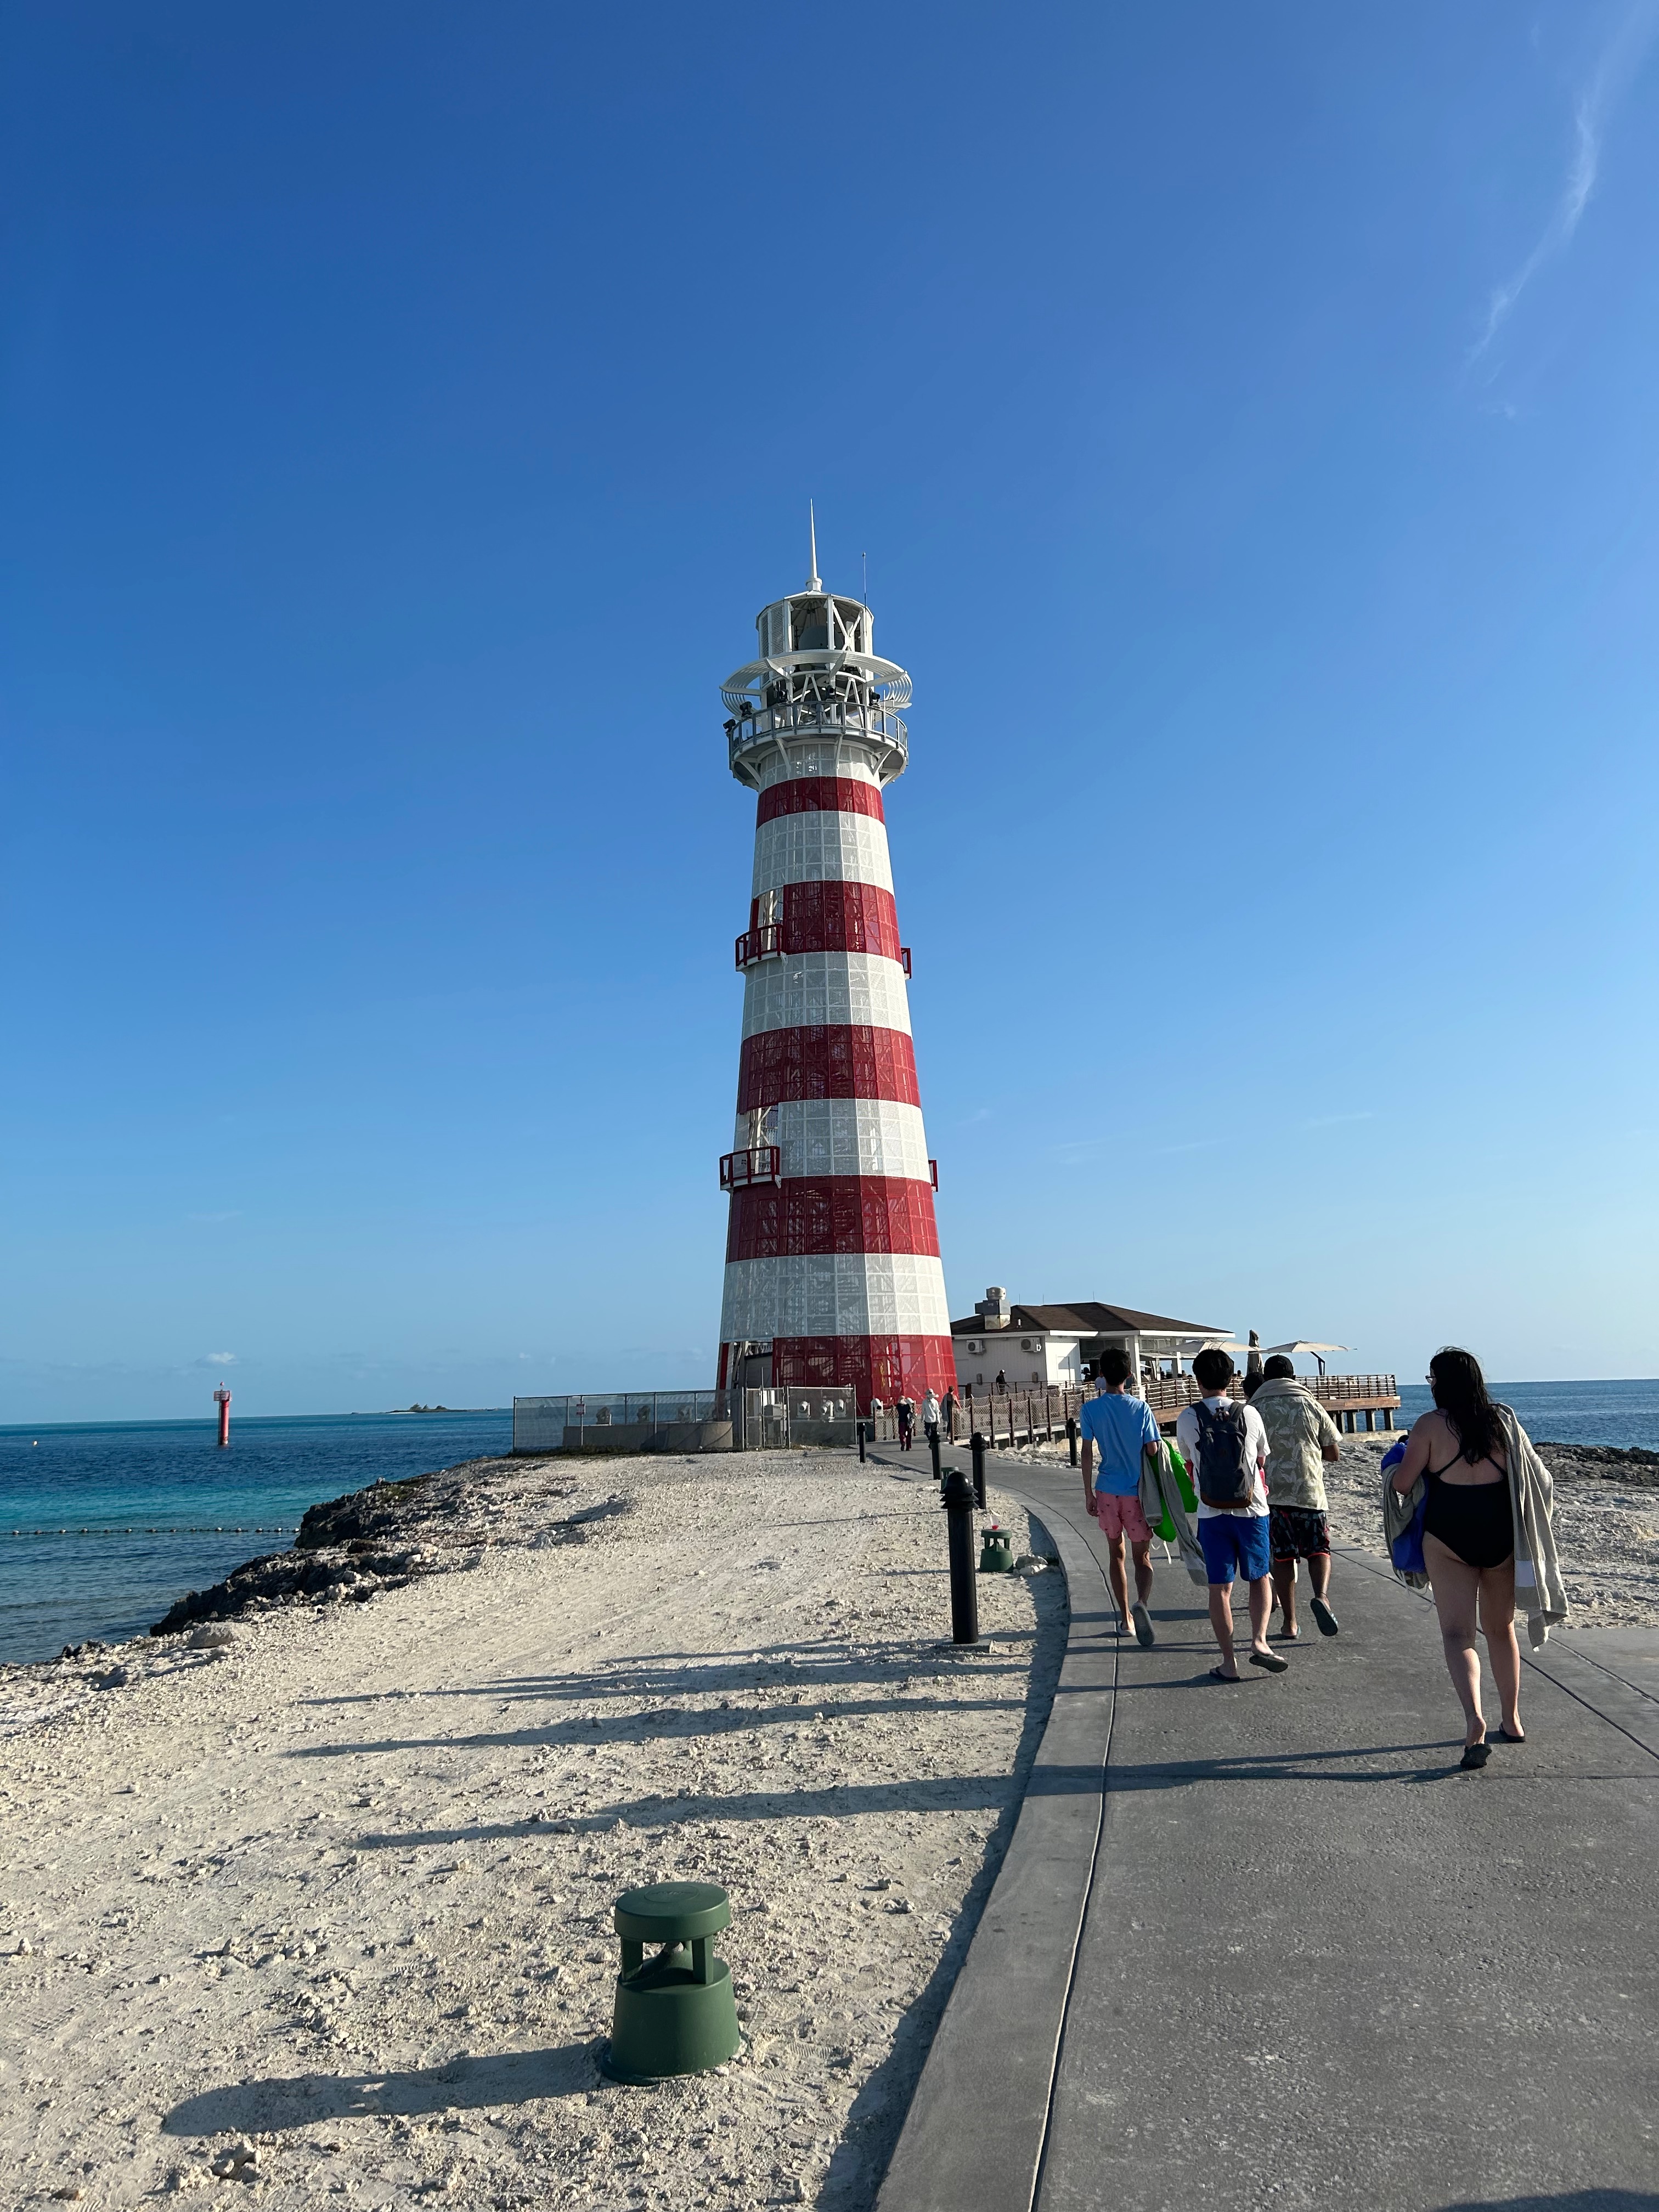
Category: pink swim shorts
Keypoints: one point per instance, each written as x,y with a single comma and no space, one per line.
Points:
1121,1516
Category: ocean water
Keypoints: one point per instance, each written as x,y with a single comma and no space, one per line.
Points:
1622,1413
164,1510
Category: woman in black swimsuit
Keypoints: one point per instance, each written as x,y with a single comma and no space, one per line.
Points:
1469,1539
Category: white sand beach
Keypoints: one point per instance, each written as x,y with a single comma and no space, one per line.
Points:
326,1915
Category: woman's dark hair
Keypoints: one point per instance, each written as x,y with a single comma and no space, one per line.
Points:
1459,1392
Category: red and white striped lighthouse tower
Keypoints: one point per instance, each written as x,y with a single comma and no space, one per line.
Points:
832,1269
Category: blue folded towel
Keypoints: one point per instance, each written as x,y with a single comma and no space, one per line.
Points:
1407,1549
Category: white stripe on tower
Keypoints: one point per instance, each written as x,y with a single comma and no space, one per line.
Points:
820,848
838,988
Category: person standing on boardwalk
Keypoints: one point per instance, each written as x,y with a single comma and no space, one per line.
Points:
1301,1438
907,1423
1116,1428
1225,1446
1489,1488
930,1415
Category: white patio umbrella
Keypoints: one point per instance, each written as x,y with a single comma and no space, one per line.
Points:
1313,1350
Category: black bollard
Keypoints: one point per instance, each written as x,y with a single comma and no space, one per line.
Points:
1071,1436
933,1446
861,1443
965,1590
976,1445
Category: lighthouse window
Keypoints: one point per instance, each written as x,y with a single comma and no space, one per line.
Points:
809,618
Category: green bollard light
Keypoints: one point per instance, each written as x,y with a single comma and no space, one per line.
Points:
674,2014
994,1557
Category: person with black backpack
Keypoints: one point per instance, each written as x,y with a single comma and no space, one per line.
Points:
1225,1445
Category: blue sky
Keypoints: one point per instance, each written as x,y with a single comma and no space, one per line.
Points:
1247,411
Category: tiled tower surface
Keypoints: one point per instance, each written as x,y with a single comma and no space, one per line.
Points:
832,1267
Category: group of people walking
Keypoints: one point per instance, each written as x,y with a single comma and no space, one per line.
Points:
904,1414
1242,1490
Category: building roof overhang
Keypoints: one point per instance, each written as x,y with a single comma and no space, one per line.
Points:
1088,1318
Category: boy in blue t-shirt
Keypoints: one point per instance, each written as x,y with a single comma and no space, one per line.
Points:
1116,1428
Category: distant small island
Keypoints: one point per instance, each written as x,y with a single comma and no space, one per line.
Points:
420,1409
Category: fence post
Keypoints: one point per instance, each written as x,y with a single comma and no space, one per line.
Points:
1071,1436
976,1445
933,1446
861,1443
964,1591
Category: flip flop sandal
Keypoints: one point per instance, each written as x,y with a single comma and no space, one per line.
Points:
1271,1662
1504,1736
1216,1676
1143,1622
1323,1615
1475,1756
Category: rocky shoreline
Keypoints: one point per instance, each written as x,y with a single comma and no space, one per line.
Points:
355,1547
1599,1463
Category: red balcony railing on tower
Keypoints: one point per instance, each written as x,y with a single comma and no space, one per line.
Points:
764,942
760,1164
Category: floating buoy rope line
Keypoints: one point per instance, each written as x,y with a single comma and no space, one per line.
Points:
272,1528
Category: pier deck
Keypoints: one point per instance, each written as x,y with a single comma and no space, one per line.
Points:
1263,1943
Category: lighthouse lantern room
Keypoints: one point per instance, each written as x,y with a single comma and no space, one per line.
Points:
832,1270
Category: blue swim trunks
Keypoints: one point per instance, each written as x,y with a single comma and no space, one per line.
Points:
1235,1542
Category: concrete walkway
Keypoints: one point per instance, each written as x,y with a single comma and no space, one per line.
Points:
1263,1944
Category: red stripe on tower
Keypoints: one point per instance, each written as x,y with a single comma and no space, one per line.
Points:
825,1062
832,1213
819,794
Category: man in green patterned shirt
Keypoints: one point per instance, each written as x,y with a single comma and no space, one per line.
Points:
1301,1438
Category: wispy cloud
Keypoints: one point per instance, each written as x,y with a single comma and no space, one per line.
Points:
1592,112
1073,1151
219,1360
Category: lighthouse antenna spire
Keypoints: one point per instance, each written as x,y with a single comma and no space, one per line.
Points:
814,583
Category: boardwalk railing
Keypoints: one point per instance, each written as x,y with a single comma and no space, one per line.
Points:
1039,1415
768,1419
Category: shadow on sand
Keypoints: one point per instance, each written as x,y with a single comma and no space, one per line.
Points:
508,2077
1575,2200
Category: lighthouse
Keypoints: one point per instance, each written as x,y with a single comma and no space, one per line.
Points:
833,1278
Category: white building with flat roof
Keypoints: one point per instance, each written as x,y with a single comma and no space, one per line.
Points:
1027,1344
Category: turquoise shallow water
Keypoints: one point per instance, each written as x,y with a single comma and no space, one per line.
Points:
139,1489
